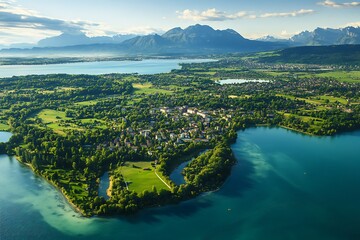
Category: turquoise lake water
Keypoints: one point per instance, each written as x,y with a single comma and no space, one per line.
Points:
285,186
147,66
176,175
104,185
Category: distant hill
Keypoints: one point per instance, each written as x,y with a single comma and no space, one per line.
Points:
67,39
336,54
327,36
194,40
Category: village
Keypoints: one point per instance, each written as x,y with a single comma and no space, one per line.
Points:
198,126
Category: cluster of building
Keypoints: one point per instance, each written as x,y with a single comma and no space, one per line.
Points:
196,126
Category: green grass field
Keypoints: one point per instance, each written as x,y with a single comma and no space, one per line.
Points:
211,73
52,119
148,88
87,103
51,116
304,118
318,100
4,127
94,122
66,89
139,179
315,123
62,129
333,99
343,76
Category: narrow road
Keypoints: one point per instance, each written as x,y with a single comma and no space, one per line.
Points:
127,188
162,180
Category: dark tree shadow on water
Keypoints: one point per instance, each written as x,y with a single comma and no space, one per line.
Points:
240,179
181,210
353,133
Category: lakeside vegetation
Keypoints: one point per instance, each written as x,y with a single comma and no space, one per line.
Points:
74,128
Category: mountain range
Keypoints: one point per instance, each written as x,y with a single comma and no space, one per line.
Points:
80,38
197,39
321,37
193,40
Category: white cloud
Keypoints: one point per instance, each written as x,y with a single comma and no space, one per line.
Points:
11,35
12,15
352,24
214,15
142,30
285,34
288,14
210,15
18,24
255,36
11,7
329,3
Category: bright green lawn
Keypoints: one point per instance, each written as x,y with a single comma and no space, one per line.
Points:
95,122
315,123
148,88
4,127
62,129
51,116
344,76
139,179
318,100
304,118
334,99
87,103
52,119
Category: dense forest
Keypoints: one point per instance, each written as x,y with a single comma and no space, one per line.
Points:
337,55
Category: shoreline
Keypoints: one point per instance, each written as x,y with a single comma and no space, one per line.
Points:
109,189
298,131
56,187
288,128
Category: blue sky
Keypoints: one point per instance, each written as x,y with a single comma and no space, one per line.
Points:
29,21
